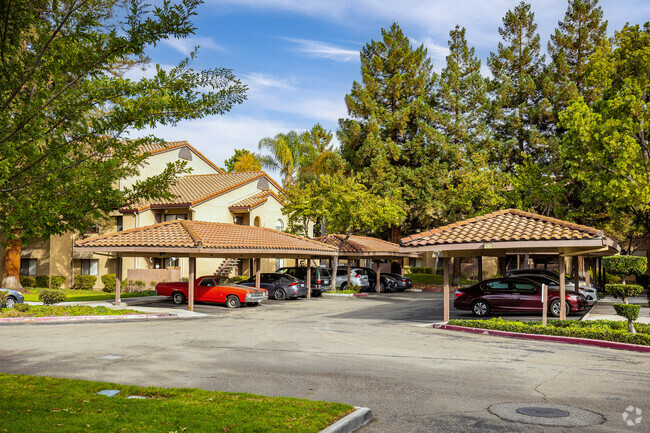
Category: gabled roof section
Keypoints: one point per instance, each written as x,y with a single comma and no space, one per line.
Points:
509,225
191,190
363,246
250,203
194,237
156,148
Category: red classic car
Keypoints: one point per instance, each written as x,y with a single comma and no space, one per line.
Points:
216,289
514,295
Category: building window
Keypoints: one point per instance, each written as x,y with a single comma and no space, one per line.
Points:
257,222
28,267
172,217
89,267
157,217
239,220
279,225
119,222
160,263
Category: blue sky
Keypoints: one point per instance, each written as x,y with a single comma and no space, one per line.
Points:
300,57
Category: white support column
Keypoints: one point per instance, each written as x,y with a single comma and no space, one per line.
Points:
562,271
446,264
190,284
118,280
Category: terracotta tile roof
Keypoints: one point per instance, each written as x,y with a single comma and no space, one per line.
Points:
255,200
502,226
193,189
154,148
207,235
360,244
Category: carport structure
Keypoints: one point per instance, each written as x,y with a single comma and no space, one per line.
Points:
511,231
183,238
362,247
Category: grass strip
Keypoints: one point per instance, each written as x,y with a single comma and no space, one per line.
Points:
45,404
88,295
606,330
61,310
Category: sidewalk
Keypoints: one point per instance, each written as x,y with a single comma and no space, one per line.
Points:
603,310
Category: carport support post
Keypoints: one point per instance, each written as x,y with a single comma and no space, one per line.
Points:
349,271
446,264
308,278
480,268
588,271
576,273
258,272
190,284
118,280
378,271
562,271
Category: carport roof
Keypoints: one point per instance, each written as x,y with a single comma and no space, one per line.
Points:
512,230
205,239
365,247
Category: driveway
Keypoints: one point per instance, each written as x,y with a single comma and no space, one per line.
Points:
368,352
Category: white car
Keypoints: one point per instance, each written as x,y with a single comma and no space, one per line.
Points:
551,279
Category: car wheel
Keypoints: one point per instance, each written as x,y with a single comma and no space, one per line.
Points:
382,288
178,298
555,308
10,302
480,308
232,301
279,294
343,286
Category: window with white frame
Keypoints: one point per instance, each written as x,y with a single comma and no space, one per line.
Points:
172,217
89,267
28,267
279,225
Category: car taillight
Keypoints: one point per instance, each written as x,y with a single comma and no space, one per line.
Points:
404,280
357,276
458,294
318,281
294,284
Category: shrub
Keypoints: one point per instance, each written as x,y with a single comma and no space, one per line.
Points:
109,281
623,266
630,312
623,291
43,281
56,281
421,270
51,296
84,282
238,278
27,282
23,308
152,284
139,285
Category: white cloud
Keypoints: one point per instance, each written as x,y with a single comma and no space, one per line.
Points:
186,46
257,81
325,50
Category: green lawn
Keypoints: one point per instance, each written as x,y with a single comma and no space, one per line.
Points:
44,404
433,279
86,295
607,330
60,310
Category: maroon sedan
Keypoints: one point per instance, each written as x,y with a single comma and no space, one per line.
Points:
514,295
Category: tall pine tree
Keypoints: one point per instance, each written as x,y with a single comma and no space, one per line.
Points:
519,105
388,137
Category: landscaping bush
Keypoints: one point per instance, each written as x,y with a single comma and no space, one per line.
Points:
56,281
43,281
51,296
624,266
84,282
598,330
238,278
421,270
27,282
623,291
23,308
152,284
109,281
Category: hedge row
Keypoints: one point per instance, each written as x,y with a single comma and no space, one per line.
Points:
606,330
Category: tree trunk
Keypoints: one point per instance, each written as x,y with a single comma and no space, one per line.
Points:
455,280
395,234
630,326
11,275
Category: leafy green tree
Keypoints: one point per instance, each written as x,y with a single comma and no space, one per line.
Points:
242,160
623,266
473,186
347,206
519,105
605,146
389,138
320,156
65,109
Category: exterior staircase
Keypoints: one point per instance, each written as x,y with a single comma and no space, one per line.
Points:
226,267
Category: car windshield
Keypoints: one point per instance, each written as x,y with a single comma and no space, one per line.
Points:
224,281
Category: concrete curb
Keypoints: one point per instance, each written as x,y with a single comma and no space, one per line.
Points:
345,295
552,338
352,422
59,319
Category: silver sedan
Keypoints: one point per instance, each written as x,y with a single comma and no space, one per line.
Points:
13,297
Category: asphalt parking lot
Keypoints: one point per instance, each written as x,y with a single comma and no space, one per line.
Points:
372,352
